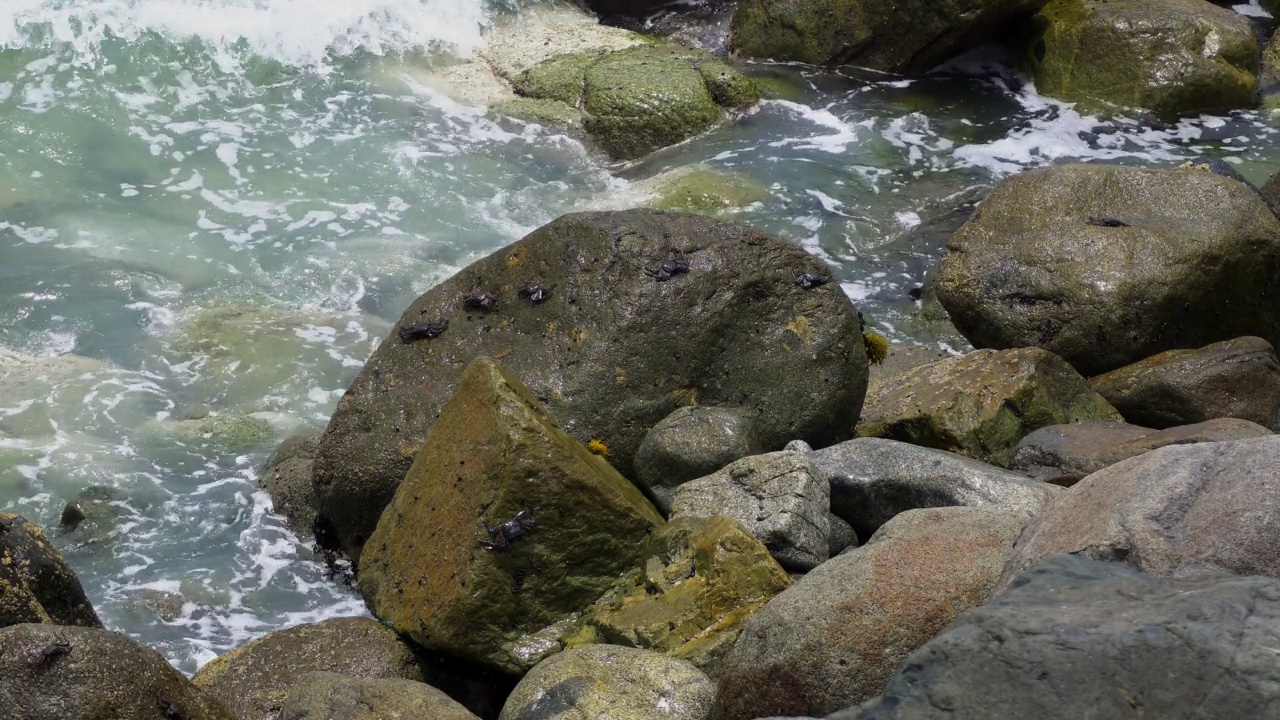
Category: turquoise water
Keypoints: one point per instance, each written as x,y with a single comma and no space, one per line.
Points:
217,208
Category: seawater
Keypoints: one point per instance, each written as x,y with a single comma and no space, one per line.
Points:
219,207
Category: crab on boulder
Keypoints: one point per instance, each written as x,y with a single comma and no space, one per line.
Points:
609,353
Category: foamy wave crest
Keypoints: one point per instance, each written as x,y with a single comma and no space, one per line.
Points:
294,32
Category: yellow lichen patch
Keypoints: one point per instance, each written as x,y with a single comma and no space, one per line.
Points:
620,376
685,396
800,326
579,335
514,258
552,327
410,450
598,448
877,347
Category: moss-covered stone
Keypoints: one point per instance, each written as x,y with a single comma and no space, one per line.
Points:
983,403
707,190
1170,56
36,586
231,432
552,113
493,453
559,78
728,87
1269,74
702,579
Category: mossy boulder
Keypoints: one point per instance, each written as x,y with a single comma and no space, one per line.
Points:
707,190
1269,73
493,453
1168,56
983,403
254,679
611,351
909,37
225,432
82,673
36,585
1190,259
640,99
702,579
320,695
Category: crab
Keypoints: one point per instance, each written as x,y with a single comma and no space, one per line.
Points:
479,300
1109,222
810,280
428,330
534,292
507,532
668,269
56,648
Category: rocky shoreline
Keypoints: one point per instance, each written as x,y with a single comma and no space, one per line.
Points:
649,464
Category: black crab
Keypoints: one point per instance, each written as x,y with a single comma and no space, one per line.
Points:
428,330
508,532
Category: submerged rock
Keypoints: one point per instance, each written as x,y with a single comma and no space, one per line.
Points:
1076,636
777,497
1178,510
36,585
873,480
981,404
1192,262
286,476
607,681
1237,378
875,34
838,635
1169,56
324,695
610,351
704,189
692,442
81,673
496,456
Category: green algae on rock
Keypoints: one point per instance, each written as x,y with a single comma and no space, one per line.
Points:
495,452
983,403
36,585
1169,56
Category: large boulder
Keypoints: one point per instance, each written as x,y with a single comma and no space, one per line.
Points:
36,585
1192,262
981,404
1237,378
1269,74
1078,638
837,635
610,351
325,696
878,34
1169,56
692,442
565,525
776,496
1065,454
873,480
702,580
1178,510
253,679
608,681
79,673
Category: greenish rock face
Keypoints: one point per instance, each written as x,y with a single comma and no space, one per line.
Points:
706,190
1194,263
983,403
36,585
559,78
330,695
495,453
102,675
546,112
1169,56
232,432
912,36
1269,75
702,579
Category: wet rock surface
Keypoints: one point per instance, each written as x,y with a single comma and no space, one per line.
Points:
286,476
690,443
36,584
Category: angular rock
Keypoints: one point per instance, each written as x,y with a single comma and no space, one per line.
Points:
1030,268
36,585
1169,56
1237,378
777,498
1178,510
323,695
873,480
981,404
607,681
837,636
254,679
1076,636
692,442
494,453
611,351
1065,454
872,33
702,580
286,476
82,673
841,536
